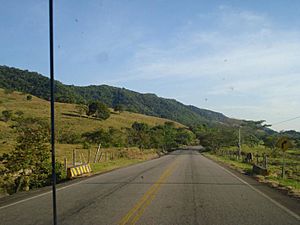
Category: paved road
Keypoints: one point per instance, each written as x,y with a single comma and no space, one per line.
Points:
181,188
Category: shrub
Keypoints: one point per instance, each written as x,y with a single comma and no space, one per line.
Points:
69,138
6,115
118,108
8,91
99,136
28,165
19,113
86,145
81,109
29,97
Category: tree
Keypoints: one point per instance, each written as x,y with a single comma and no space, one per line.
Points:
117,137
270,142
81,109
92,108
99,110
118,108
28,165
139,135
216,138
184,136
169,135
251,140
157,137
103,112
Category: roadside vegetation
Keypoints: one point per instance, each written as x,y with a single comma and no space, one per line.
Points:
257,148
107,138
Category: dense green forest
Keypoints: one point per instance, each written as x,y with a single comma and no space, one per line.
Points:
149,104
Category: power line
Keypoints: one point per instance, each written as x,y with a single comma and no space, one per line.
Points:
294,118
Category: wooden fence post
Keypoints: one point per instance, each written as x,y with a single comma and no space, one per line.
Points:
283,166
65,164
89,155
100,157
265,161
80,158
74,157
96,155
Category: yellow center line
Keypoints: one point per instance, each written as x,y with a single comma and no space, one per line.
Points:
149,200
146,199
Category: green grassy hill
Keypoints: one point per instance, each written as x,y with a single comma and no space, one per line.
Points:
67,118
149,104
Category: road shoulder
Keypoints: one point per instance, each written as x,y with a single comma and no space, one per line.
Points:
289,202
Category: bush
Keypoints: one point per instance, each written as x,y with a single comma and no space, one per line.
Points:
86,145
8,91
103,113
28,97
60,171
19,113
118,108
6,115
99,136
28,165
69,138
81,109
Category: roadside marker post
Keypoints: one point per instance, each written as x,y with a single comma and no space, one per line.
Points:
74,157
284,143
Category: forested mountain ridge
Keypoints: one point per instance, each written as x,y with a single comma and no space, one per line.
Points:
149,104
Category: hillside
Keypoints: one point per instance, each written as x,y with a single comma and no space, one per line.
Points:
149,104
67,118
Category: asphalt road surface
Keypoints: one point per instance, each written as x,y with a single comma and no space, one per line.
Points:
181,188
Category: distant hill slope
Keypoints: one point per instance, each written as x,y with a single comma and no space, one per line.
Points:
67,117
149,104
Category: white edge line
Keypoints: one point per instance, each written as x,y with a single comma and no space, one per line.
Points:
244,182
259,192
40,195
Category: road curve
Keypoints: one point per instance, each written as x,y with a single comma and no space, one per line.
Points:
181,188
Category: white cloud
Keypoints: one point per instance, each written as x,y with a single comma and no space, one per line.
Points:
257,58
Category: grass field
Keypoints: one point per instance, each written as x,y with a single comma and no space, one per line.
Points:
67,119
121,162
291,180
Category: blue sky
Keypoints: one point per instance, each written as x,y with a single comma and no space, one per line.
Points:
240,58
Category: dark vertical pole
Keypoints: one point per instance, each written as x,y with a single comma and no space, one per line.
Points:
52,111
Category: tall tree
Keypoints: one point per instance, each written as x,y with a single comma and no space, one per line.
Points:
99,110
29,162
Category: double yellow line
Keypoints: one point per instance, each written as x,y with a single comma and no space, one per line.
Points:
138,209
